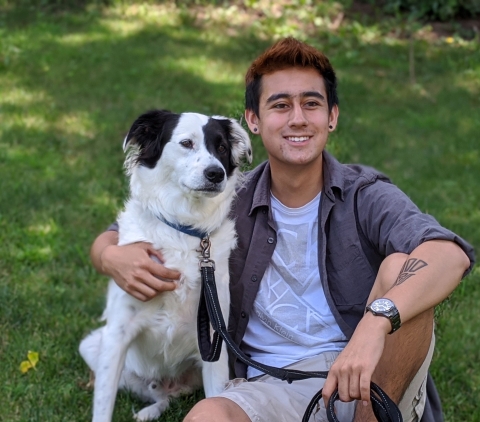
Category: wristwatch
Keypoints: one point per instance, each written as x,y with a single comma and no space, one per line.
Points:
386,308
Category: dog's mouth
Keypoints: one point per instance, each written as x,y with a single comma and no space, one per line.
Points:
209,189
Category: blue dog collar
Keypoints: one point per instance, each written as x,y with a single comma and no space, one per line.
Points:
190,230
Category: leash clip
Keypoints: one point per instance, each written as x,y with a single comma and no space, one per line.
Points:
205,260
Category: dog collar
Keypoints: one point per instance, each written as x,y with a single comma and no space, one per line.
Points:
190,230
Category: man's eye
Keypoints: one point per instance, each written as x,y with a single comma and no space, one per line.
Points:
280,105
312,104
187,143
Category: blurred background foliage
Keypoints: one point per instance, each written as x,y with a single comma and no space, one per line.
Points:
418,9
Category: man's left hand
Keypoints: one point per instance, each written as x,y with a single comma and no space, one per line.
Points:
352,371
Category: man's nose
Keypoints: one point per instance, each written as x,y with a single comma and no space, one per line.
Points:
297,116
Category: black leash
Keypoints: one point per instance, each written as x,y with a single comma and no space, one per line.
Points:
209,312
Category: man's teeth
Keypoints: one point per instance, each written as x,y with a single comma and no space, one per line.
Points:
297,138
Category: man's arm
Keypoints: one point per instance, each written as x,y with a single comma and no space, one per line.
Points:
132,266
431,273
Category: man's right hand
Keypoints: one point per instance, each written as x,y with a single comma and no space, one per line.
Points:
132,266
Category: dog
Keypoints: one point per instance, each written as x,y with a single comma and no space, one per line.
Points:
183,171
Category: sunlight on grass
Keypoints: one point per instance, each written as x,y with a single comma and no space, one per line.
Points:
33,254
78,123
158,13
43,229
209,70
82,38
469,80
16,94
18,152
105,199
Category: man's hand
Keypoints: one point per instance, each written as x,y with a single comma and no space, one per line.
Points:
352,371
135,271
136,268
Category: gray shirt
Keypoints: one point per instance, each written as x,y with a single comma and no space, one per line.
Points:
363,218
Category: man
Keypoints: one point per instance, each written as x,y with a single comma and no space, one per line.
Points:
317,242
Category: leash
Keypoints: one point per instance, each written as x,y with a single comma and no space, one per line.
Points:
209,312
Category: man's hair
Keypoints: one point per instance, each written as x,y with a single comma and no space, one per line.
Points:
284,54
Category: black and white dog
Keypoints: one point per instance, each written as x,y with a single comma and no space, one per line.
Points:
183,172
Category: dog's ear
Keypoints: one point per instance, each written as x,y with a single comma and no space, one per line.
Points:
240,141
147,137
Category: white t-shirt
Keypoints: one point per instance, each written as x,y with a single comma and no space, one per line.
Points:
291,319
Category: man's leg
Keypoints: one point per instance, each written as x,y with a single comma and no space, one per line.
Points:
405,350
216,409
269,399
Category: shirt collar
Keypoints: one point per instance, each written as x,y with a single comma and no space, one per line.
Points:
333,177
261,194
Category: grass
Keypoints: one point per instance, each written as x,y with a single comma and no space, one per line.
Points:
71,83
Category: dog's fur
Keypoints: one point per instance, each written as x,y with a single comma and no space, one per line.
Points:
183,168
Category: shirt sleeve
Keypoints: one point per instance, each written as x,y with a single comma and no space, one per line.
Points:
112,227
393,223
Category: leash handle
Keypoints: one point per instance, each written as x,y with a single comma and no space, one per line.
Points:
209,312
384,408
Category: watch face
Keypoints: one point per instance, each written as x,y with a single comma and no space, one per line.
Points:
382,305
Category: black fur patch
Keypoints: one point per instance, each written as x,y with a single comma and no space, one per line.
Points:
151,131
218,140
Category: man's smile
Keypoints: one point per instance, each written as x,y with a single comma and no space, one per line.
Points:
297,138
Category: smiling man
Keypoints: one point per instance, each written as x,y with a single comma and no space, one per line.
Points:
294,124
318,241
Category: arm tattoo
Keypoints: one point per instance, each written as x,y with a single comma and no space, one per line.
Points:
408,270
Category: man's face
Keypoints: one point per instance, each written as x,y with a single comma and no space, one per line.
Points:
293,117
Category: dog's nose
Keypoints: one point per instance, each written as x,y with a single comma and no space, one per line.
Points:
214,174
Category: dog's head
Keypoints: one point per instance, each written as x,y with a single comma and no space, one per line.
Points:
197,152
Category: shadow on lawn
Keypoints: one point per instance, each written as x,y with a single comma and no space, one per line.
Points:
87,84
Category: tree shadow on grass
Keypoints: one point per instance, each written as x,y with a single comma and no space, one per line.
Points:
86,83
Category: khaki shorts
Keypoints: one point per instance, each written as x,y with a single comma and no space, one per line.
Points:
267,399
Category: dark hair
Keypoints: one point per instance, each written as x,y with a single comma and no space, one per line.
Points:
286,53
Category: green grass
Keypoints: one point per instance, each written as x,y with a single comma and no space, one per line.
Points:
71,84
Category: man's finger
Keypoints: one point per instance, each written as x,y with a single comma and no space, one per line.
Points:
354,387
344,388
365,389
328,388
159,271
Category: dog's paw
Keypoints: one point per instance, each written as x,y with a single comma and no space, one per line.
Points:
151,412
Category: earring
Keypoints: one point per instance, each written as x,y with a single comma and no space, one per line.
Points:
255,129
331,127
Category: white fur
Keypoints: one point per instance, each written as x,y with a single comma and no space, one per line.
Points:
151,348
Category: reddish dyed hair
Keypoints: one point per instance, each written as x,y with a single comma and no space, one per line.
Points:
286,53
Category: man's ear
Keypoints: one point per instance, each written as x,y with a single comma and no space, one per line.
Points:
333,118
252,121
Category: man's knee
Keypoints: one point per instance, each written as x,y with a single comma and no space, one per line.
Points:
216,409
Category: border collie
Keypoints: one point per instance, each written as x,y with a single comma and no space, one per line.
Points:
183,171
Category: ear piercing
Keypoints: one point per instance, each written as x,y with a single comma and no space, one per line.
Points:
255,129
331,127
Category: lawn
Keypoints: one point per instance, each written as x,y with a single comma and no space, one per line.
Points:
72,82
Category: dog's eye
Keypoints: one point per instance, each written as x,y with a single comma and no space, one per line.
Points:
221,149
187,143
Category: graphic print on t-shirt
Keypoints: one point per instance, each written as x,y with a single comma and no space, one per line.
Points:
291,300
